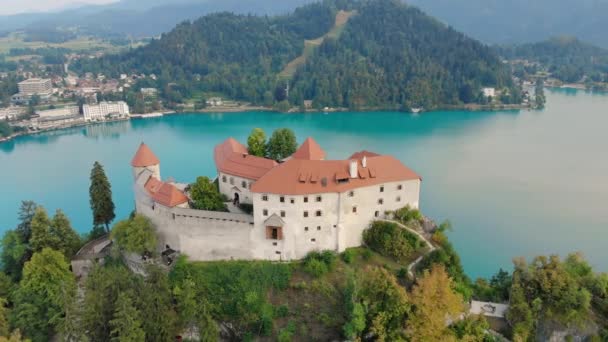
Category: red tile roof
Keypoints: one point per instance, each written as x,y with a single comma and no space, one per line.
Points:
144,157
165,193
231,157
300,177
309,150
361,154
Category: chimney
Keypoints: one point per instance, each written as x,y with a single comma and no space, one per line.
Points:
353,169
364,161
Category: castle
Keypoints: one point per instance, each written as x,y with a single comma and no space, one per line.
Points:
301,204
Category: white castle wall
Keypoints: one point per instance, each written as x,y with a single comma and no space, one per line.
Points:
204,235
229,185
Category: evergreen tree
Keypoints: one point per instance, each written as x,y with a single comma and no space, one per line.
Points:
126,325
256,142
26,214
39,300
62,229
42,236
100,193
282,144
15,253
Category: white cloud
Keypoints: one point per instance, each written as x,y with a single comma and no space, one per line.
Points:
24,6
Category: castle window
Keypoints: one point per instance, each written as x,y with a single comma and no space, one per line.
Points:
277,252
305,229
305,199
313,240
274,233
399,187
354,209
282,213
275,244
398,198
292,200
318,213
382,188
231,181
265,198
305,213
265,212
224,179
318,227
381,201
319,198
244,184
351,194
377,213
282,199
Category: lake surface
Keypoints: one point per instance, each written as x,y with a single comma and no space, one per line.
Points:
515,183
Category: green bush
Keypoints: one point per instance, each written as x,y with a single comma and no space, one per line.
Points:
391,240
408,216
319,263
286,335
348,256
282,311
315,267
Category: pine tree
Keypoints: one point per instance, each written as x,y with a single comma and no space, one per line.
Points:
126,325
62,229
100,193
26,214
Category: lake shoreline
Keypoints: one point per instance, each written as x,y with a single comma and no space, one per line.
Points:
248,109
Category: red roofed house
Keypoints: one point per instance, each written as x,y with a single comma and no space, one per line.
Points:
237,170
304,204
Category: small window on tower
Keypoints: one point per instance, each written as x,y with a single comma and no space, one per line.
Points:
265,198
292,200
399,187
224,179
351,194
318,227
244,184
305,199
382,188
319,198
318,213
354,210
306,214
305,229
265,212
282,199
282,213
381,201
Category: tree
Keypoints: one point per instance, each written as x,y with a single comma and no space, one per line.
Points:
256,142
57,233
26,214
156,301
62,228
135,235
39,299
282,144
100,193
435,302
4,327
126,324
387,304
205,195
14,254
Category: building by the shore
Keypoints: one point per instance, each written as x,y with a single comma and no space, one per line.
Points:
105,110
302,204
40,87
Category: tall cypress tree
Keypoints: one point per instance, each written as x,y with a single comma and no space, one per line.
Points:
101,197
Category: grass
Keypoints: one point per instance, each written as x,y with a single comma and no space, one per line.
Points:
84,43
311,45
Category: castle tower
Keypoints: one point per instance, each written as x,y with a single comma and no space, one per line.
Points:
145,159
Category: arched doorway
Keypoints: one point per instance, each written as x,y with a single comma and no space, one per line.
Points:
236,200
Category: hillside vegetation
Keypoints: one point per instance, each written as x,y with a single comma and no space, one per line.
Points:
565,58
388,55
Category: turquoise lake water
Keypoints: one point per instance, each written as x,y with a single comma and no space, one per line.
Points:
514,183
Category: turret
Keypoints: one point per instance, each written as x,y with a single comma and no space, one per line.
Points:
145,159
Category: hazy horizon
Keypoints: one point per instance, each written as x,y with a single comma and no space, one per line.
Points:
40,6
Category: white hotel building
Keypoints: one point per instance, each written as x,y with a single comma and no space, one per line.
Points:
303,204
103,110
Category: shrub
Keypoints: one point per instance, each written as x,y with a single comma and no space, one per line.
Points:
348,256
367,254
286,335
407,215
282,311
315,267
391,240
319,263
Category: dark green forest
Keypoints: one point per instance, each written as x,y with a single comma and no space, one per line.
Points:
567,59
389,55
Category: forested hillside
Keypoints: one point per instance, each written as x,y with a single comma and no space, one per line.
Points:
389,55
566,58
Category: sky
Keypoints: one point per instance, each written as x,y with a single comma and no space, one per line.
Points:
8,7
